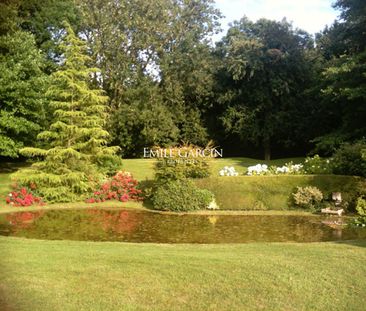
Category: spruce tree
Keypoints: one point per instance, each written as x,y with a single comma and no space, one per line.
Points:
77,156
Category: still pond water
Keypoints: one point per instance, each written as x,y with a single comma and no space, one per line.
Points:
142,226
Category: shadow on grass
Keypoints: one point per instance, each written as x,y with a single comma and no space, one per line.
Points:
358,243
11,167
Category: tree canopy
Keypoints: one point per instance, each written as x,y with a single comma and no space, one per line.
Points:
266,88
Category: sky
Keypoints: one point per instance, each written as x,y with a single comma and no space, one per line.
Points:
309,15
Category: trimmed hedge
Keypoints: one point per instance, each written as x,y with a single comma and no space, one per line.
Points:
181,196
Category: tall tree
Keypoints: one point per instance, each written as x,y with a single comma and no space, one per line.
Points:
23,84
262,80
78,156
160,45
343,86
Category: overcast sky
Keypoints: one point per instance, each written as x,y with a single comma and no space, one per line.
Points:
310,15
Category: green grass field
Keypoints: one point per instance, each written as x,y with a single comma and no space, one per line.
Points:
65,275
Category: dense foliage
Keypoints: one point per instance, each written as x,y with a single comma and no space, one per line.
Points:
308,198
361,211
22,92
181,196
349,159
181,163
264,88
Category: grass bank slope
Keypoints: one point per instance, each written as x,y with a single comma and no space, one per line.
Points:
65,275
273,192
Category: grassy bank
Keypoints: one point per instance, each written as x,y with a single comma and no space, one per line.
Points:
65,275
272,192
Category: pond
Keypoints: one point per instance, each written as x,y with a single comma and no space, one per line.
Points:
149,227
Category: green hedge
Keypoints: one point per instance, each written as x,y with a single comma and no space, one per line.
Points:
273,192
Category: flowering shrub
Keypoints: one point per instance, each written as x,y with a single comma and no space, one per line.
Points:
262,169
317,165
23,197
122,187
228,171
308,197
289,168
259,169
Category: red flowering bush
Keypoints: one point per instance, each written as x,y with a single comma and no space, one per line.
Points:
122,187
22,197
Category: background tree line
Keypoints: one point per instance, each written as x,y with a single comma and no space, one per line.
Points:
264,89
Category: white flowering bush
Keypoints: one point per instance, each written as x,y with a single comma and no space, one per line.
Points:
317,165
289,168
228,171
259,169
262,169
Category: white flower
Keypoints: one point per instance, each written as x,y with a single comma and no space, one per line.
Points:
213,205
228,171
10,195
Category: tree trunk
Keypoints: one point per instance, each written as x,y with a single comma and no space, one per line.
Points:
267,149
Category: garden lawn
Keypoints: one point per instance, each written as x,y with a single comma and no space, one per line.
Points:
70,275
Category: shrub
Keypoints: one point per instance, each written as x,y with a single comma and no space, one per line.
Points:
122,187
317,165
22,197
205,196
259,169
262,169
228,171
308,198
349,159
180,196
177,168
361,211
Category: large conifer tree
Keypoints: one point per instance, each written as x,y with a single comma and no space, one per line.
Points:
78,156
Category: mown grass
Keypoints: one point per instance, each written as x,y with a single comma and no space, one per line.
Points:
67,275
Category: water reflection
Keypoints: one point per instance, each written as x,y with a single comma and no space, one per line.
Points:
142,226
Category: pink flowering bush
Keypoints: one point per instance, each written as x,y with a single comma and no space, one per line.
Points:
22,197
122,187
